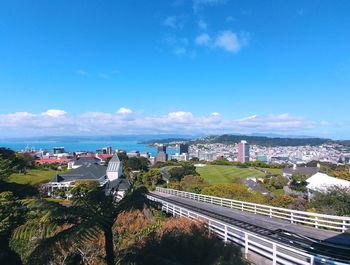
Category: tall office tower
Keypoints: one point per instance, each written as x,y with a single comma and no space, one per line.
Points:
161,148
183,149
243,152
58,150
161,157
107,150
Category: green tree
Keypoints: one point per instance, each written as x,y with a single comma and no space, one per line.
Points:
91,213
193,184
136,163
152,178
12,214
234,191
182,241
278,182
5,169
298,182
335,200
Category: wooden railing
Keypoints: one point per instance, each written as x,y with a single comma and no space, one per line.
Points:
320,221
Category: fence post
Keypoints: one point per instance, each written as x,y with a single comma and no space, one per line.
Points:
274,254
270,212
292,217
242,207
316,222
254,208
225,238
344,226
312,260
246,245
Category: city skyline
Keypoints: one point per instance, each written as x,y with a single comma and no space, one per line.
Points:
175,67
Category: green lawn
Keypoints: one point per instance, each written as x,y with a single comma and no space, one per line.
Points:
226,174
275,171
33,177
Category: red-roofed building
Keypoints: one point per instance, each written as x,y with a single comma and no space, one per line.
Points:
52,160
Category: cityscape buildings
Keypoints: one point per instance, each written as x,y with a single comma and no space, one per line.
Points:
243,152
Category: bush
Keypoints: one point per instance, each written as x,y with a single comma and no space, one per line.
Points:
335,201
234,191
182,241
278,182
193,184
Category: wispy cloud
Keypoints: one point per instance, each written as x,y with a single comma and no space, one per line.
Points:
178,45
81,72
203,3
226,40
175,22
203,39
127,121
202,24
230,41
104,76
230,19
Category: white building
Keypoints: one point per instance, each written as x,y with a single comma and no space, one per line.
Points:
320,182
181,157
92,169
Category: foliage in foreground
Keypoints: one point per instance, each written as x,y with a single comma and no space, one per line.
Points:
176,241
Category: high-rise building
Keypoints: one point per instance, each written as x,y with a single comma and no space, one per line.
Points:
161,148
184,149
161,157
107,150
58,150
243,152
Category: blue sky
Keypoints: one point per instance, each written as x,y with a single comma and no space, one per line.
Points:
191,66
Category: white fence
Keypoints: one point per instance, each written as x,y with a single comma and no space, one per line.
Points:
321,221
276,252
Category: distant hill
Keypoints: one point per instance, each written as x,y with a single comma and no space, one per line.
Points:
263,140
166,141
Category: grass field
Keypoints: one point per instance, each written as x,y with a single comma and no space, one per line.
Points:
226,174
276,171
33,177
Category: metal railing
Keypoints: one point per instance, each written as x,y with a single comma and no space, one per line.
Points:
274,251
320,221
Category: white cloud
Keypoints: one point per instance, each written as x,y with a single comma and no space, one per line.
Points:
124,111
180,116
126,121
228,41
55,113
202,39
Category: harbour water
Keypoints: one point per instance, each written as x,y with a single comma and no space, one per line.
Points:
82,145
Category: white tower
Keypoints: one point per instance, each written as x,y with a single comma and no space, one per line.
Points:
114,169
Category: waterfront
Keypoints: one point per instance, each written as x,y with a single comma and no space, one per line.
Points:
81,145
